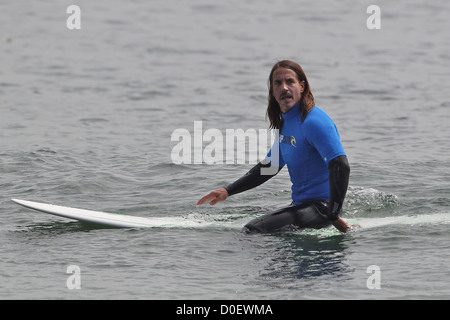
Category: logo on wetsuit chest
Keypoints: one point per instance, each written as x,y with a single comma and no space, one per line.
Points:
288,140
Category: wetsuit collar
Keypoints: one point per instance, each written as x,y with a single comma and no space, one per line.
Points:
293,112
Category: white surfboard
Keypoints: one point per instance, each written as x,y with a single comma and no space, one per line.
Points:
105,218
127,221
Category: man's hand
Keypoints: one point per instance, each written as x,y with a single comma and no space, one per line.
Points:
214,196
341,225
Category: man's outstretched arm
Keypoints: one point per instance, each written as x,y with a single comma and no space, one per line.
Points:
250,180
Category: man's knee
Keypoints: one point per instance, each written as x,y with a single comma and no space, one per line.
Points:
255,226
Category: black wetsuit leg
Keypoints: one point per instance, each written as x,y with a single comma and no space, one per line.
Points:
311,214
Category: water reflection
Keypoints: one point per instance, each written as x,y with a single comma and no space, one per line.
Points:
58,228
301,256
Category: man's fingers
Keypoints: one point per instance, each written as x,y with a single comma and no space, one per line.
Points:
202,200
215,197
206,198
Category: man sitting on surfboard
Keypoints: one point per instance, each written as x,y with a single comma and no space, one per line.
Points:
310,146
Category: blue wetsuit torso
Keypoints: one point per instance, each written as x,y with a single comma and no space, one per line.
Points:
307,147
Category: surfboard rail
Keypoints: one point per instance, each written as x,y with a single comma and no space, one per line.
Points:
97,217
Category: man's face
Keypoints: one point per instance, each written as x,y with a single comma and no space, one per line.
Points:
287,90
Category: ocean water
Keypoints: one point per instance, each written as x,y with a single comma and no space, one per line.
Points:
87,118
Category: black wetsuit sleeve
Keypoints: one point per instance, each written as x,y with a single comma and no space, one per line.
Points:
339,173
250,180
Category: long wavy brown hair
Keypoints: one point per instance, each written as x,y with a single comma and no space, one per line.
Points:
306,101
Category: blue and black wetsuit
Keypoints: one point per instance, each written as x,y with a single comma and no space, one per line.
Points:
318,168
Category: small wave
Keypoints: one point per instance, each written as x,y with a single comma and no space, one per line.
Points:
89,121
360,200
420,219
